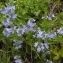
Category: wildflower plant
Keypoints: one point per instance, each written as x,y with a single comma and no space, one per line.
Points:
31,32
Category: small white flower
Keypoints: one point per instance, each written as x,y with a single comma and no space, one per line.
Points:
49,18
51,62
53,15
17,59
38,49
19,42
36,44
46,45
48,61
42,17
18,30
18,46
39,34
24,29
60,31
42,48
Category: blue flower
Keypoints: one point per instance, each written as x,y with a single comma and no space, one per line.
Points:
39,49
13,16
46,45
52,35
48,61
36,44
31,22
24,29
39,33
7,9
18,30
17,59
8,31
6,22
60,31
17,44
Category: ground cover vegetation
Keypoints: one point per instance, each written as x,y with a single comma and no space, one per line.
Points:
31,31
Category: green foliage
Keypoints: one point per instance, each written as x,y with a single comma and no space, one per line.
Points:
26,9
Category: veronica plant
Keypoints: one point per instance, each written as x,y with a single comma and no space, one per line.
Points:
29,30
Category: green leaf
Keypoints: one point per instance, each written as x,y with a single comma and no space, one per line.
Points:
61,52
56,58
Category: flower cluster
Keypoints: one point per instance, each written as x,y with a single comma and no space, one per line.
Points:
8,31
17,59
49,17
20,30
43,35
48,61
26,28
17,44
41,46
10,12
